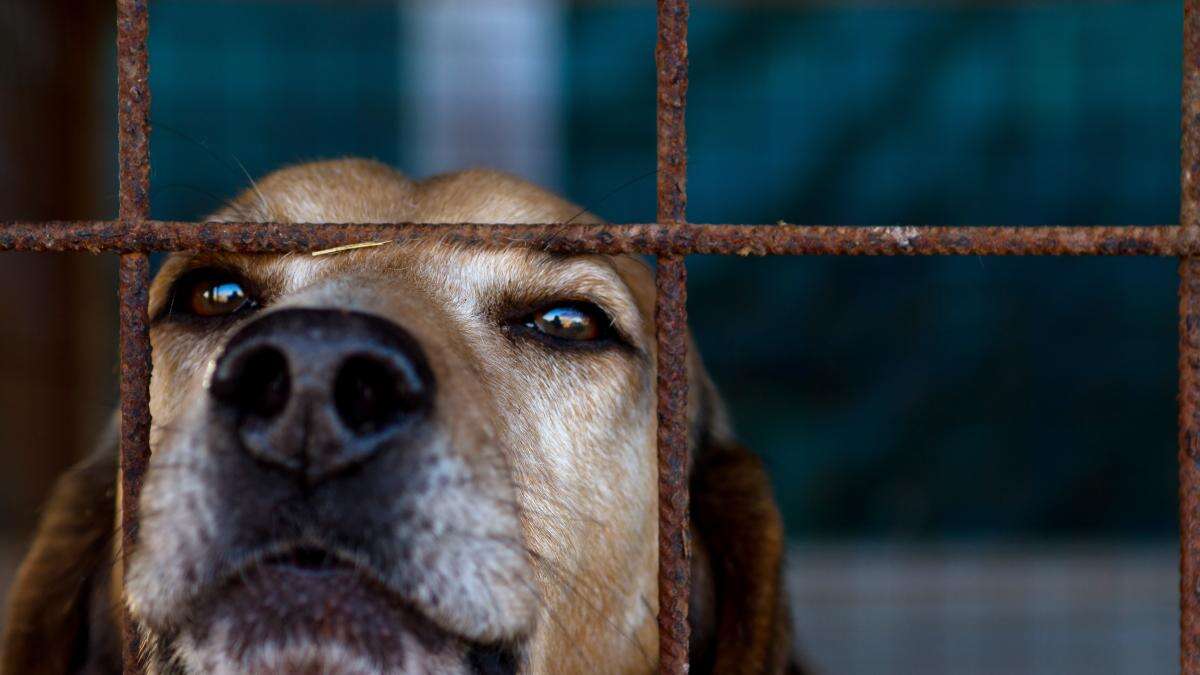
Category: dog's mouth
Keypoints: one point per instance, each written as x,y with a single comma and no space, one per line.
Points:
307,608
310,560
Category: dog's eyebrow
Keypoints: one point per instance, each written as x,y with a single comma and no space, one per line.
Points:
579,277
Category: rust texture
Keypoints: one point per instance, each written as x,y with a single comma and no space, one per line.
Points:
1189,351
670,314
1189,463
133,109
133,134
135,409
674,552
1190,141
755,240
671,59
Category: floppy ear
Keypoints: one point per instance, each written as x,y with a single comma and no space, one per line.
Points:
739,613
59,616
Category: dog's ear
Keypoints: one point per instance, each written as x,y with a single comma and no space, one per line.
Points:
59,616
739,613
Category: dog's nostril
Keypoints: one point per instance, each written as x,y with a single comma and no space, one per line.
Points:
370,395
261,385
316,392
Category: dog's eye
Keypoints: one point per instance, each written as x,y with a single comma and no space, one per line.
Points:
574,322
218,298
210,293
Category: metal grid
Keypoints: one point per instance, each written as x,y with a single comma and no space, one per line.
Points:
134,235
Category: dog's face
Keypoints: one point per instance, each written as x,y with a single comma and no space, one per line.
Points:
411,458
420,457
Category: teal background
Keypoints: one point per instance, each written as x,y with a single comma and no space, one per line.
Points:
950,398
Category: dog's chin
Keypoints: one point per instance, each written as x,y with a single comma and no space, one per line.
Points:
280,617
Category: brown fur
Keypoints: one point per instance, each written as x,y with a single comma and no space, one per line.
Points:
739,529
61,618
58,618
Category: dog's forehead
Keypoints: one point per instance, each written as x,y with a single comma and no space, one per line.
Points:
363,191
465,273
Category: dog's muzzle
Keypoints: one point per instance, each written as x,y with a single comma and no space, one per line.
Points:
314,392
320,504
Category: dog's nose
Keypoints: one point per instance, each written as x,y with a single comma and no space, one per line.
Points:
314,392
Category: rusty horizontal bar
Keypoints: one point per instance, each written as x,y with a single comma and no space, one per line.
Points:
652,239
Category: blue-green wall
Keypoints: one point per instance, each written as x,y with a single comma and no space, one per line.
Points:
891,397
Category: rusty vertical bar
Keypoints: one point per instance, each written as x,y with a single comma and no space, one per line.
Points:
1189,352
674,554
133,110
674,564
135,413
1189,464
133,133
671,60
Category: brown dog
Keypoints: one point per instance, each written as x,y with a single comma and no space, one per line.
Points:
417,458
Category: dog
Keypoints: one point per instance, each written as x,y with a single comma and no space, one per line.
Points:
427,457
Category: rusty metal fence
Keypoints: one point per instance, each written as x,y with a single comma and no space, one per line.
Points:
134,235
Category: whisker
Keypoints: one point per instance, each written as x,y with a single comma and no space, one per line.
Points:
612,192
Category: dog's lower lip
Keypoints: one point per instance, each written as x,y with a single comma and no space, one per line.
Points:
312,594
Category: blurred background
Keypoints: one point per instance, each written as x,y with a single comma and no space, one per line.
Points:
975,456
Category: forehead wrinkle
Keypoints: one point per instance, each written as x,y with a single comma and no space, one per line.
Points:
295,271
437,272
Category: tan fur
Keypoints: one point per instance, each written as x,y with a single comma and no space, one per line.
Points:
569,436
